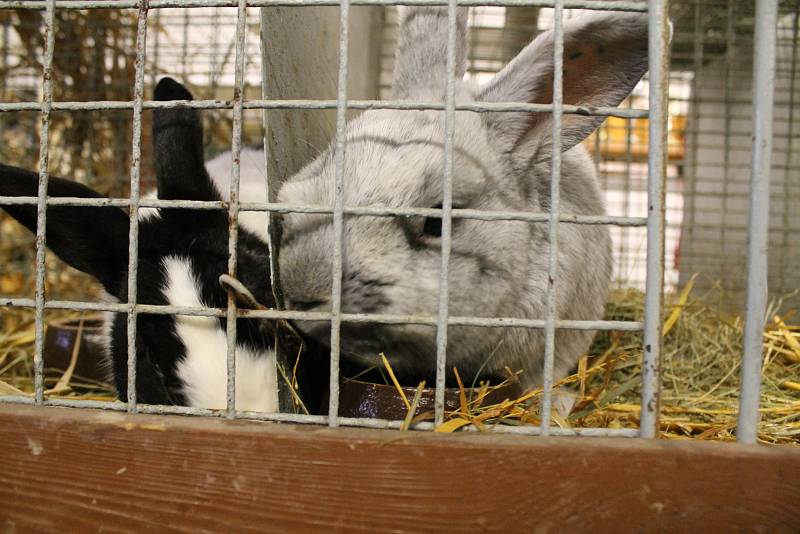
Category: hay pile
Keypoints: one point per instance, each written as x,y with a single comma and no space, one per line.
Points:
16,360
700,378
700,375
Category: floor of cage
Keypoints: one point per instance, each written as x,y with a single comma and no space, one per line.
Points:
700,376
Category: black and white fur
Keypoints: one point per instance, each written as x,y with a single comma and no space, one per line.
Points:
181,360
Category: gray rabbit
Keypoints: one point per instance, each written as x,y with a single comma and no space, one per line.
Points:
501,162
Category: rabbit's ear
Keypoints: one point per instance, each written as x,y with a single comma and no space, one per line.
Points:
421,61
605,56
91,239
178,148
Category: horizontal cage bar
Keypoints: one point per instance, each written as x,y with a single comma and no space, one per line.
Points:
477,107
160,4
363,211
487,322
313,419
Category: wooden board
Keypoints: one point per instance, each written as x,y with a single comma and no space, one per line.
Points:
71,470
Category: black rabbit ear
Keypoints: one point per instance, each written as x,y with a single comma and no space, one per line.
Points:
169,89
178,147
91,239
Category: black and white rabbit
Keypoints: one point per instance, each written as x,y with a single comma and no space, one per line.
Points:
501,162
180,359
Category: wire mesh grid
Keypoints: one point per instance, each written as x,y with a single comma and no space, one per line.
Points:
657,154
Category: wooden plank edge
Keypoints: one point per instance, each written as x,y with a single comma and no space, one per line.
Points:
100,470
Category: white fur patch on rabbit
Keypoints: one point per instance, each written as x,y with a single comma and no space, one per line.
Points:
147,214
204,368
252,186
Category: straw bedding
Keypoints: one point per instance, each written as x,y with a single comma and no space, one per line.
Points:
700,375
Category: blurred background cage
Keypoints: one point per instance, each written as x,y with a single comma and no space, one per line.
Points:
708,148
710,124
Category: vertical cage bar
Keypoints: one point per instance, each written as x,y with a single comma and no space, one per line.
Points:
597,158
233,205
214,60
728,107
786,265
552,224
626,255
338,213
136,166
447,214
758,223
4,53
185,47
156,47
688,228
98,35
659,35
41,205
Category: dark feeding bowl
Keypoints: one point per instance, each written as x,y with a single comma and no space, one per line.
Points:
381,401
59,342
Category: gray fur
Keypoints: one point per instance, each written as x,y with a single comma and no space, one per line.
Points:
497,269
421,58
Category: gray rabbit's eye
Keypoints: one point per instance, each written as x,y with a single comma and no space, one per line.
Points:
433,225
